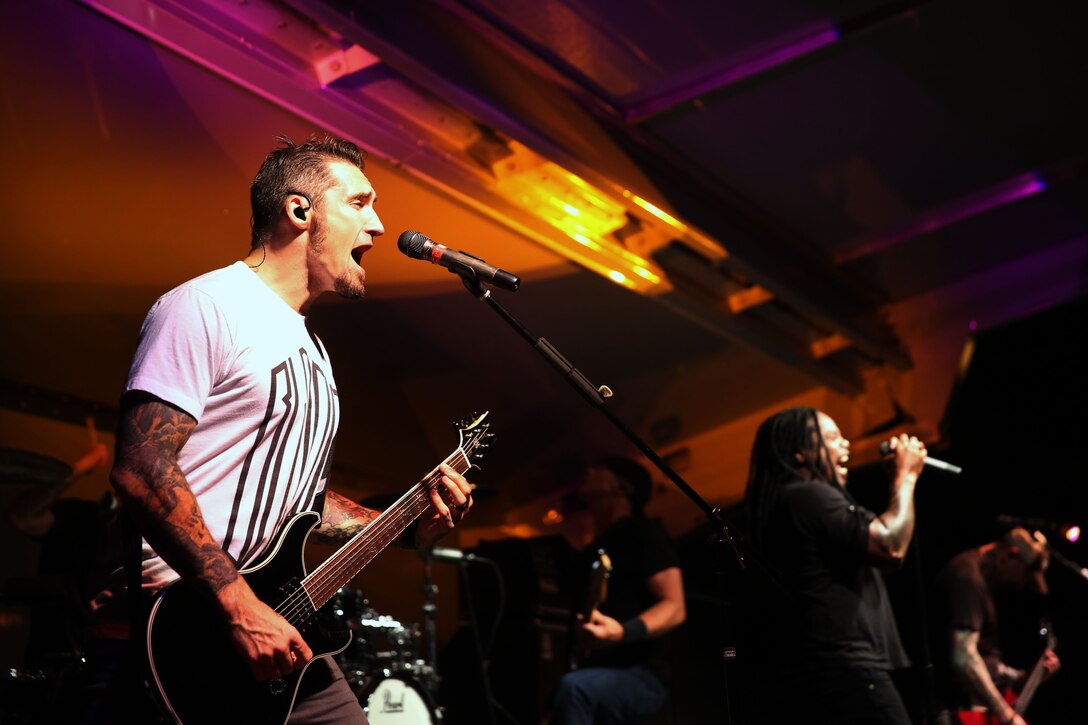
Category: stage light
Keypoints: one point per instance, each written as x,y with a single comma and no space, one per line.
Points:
583,213
1072,534
659,213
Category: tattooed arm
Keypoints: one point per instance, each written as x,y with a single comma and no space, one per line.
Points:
154,491
450,501
341,519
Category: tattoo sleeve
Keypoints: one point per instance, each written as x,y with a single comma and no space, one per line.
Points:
149,481
972,670
342,519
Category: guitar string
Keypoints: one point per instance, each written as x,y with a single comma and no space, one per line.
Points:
324,574
350,563
303,602
411,505
324,579
299,606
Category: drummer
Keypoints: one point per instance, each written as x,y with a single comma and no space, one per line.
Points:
72,534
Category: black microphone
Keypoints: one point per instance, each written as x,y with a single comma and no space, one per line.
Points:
886,448
452,556
418,246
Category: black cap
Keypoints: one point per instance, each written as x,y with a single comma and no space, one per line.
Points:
633,477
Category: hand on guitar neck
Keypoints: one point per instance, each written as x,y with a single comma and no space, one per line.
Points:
601,629
1017,704
590,625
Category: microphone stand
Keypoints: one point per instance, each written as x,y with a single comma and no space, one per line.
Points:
1077,569
724,536
430,673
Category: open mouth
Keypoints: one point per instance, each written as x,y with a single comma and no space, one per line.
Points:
357,255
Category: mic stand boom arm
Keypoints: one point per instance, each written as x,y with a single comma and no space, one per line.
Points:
723,535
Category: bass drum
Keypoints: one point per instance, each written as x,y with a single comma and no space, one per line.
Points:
398,700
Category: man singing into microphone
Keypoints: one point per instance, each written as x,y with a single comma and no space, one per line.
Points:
836,642
226,432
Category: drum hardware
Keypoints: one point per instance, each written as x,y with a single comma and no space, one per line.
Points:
382,664
399,700
429,616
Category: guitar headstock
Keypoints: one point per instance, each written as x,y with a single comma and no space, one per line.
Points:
475,437
1046,633
597,590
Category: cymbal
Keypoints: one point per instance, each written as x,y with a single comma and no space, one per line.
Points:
19,466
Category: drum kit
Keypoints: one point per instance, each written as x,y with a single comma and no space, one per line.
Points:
383,663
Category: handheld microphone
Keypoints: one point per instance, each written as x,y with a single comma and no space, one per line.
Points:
418,246
886,448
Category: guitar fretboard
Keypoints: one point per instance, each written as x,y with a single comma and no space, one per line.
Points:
340,568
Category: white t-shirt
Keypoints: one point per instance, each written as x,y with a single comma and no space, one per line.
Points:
231,353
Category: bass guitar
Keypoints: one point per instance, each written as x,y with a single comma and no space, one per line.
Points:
596,592
194,670
1019,702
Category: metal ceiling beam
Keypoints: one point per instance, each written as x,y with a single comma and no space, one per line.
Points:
799,283
208,34
799,46
730,71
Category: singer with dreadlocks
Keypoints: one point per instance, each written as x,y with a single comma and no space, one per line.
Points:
835,643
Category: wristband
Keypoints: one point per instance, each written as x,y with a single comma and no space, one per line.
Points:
634,630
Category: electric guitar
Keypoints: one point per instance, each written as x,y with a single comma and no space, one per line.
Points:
1019,702
194,670
596,592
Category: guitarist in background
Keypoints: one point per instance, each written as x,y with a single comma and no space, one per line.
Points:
966,589
228,419
623,679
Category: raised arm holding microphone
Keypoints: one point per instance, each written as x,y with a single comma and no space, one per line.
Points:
837,643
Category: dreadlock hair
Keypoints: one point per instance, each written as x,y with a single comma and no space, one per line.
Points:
774,462
295,169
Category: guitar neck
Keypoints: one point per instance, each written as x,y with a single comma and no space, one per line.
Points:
1032,684
340,568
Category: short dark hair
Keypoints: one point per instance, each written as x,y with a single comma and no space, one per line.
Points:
295,169
633,478
773,461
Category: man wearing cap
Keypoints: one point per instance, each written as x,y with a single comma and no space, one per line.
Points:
966,588
623,677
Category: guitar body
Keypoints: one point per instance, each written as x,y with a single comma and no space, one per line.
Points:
193,668
984,717
199,676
